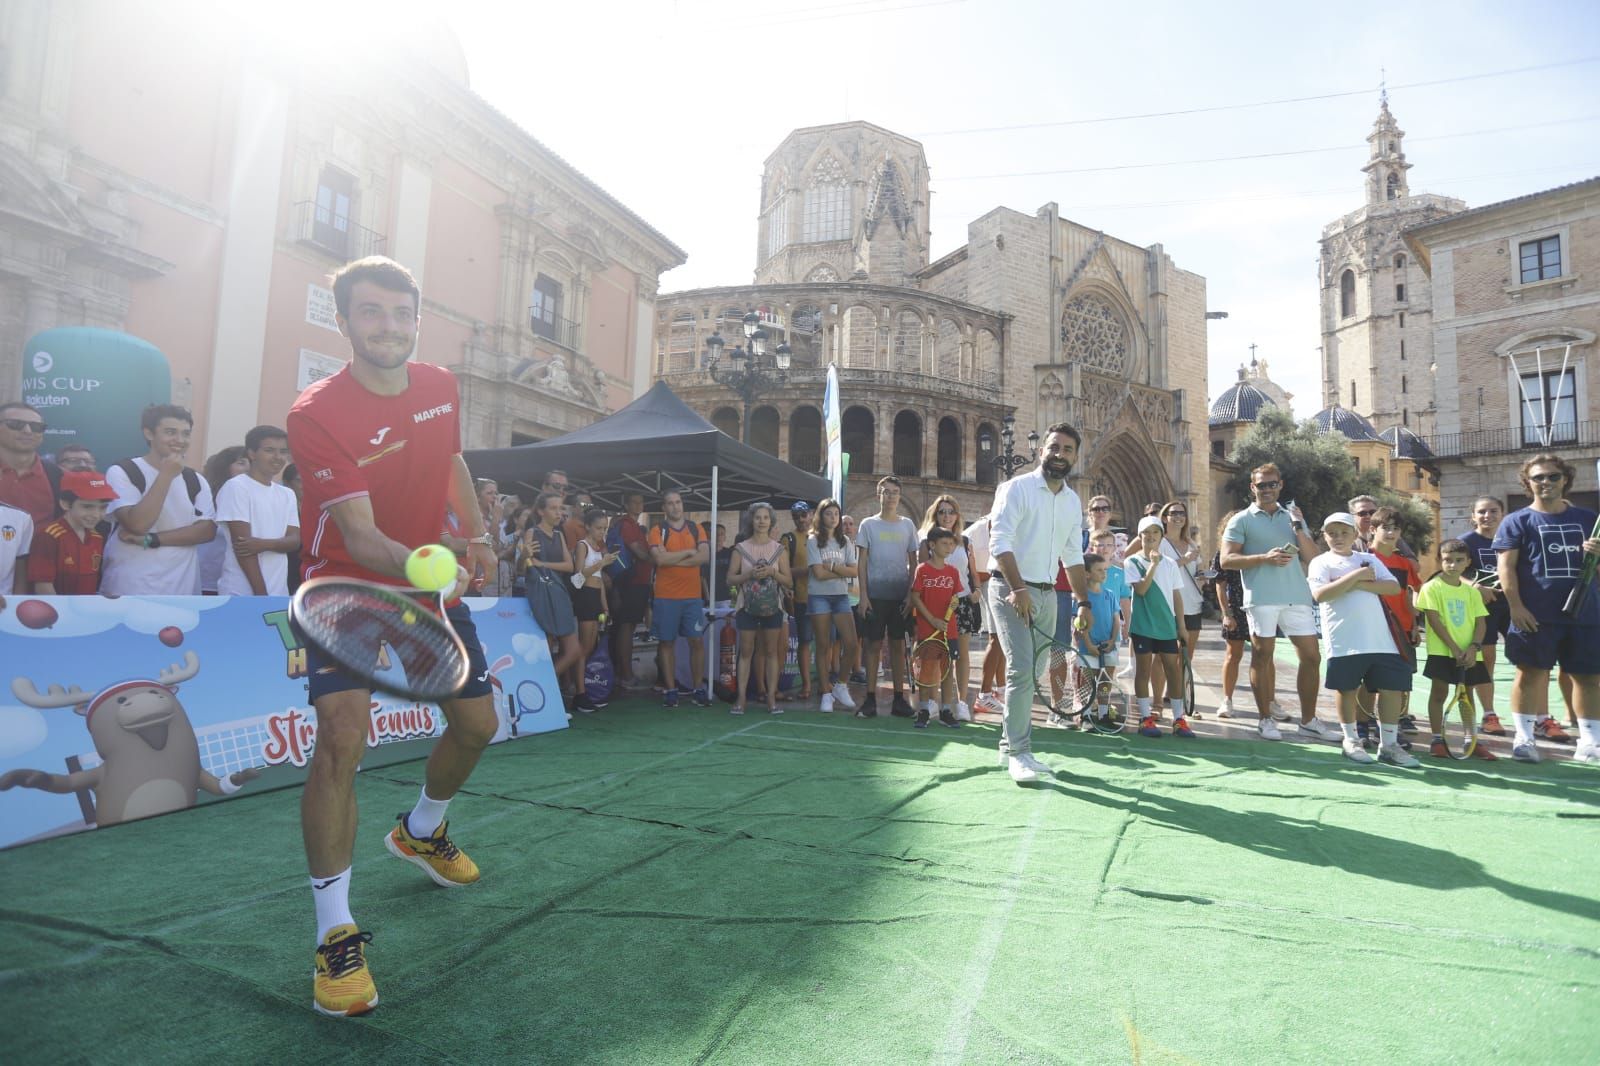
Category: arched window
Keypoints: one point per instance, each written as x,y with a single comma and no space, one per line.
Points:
986,359
988,441
908,342
907,444
1400,262
858,431
1353,400
827,210
727,420
1093,333
1393,186
764,429
948,347
861,337
949,450
805,336
805,439
1347,294
822,272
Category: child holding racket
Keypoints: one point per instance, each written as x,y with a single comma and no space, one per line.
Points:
1097,646
1457,619
1157,606
934,587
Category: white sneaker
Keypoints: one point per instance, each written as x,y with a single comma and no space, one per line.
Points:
1268,729
1524,750
1056,720
1277,711
827,703
1398,756
1354,751
1027,759
1320,730
1587,751
1225,708
963,712
1021,772
841,696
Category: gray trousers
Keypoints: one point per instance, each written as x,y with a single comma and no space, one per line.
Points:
1018,639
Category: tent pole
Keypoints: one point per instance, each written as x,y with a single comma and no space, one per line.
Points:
711,593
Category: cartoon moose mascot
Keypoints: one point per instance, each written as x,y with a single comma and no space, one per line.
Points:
149,758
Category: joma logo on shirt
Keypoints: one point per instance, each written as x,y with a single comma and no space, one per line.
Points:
434,412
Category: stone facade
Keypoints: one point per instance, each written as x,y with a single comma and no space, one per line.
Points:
1034,314
205,214
1516,291
1377,342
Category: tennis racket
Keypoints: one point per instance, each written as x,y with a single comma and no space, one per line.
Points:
353,622
1585,586
1053,684
1104,705
931,659
1188,678
1461,738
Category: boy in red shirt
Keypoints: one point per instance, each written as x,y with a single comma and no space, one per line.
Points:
68,553
933,591
1386,546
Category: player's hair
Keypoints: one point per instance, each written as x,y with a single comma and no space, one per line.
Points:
1384,516
216,468
747,523
838,526
260,435
65,448
670,492
1266,468
1455,547
382,272
542,500
889,480
591,515
18,405
1568,472
1170,505
1091,558
931,518
1152,510
1363,498
151,416
550,474
940,533
1492,499
1067,429
1096,499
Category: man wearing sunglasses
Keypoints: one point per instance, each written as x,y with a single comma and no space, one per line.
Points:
27,482
1542,548
1268,545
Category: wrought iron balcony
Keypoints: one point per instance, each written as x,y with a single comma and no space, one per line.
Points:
1512,439
337,235
553,327
985,388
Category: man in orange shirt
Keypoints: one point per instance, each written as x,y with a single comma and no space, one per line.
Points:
678,549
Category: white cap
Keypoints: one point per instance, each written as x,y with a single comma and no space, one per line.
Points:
1340,518
1149,520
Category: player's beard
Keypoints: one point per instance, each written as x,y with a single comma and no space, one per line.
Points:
385,356
1057,469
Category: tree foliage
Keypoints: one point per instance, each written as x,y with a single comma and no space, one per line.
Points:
1319,474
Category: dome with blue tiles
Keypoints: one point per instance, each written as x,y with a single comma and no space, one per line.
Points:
1241,402
1338,419
1407,444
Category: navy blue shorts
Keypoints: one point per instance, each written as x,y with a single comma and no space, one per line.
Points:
1376,672
325,677
1143,645
1444,668
1497,623
745,622
1576,648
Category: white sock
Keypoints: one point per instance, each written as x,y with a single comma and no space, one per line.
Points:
1525,724
1177,709
1349,731
1589,730
1144,706
332,896
426,816
1390,732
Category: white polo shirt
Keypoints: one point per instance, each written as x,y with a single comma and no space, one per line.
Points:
16,538
1037,526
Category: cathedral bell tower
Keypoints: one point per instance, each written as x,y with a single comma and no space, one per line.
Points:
1386,164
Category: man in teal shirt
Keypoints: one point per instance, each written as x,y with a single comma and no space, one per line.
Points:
1269,546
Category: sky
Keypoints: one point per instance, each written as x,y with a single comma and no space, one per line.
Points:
673,105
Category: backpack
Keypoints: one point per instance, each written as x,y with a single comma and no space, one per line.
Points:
614,543
763,596
191,480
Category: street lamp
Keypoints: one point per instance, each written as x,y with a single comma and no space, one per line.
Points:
1007,462
751,371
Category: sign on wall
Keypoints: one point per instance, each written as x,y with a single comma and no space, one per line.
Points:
320,307
314,366
119,709
90,385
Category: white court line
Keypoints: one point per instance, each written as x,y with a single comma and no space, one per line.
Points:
975,978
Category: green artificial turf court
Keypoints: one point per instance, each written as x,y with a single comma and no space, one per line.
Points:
686,886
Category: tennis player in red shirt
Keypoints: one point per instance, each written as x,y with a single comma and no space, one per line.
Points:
379,449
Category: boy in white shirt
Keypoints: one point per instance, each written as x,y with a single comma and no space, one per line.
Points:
1360,650
163,513
16,539
262,520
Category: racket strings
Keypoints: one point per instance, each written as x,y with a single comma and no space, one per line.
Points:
353,625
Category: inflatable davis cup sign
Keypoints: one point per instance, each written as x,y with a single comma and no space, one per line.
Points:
91,385
117,709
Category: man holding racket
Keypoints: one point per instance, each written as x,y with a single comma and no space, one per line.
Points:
1037,524
380,445
1542,570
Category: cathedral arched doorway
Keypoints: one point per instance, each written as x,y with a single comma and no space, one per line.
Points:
1127,469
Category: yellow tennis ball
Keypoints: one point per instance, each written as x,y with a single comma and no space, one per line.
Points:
431,567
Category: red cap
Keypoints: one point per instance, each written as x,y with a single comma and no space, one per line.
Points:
87,485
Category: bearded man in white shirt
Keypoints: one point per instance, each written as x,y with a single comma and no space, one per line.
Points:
1037,524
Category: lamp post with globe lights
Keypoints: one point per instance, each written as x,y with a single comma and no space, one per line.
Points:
750,370
1008,462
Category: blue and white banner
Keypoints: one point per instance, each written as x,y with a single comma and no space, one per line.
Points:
117,709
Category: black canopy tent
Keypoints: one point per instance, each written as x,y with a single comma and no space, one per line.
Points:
654,444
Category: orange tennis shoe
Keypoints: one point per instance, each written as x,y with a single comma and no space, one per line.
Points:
441,860
341,984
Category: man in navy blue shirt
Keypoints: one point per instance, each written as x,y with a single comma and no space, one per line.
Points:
1541,553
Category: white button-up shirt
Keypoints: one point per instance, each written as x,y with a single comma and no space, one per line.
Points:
1038,527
